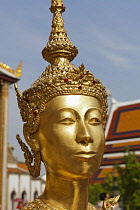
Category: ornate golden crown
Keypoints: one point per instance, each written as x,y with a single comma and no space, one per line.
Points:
60,77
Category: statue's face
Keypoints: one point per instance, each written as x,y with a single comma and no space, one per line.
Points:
71,136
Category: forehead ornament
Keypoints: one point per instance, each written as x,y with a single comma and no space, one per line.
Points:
60,77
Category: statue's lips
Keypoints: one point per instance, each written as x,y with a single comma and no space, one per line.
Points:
85,155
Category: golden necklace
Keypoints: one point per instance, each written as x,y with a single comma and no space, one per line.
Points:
40,205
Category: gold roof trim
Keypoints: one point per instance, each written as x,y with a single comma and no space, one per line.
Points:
16,72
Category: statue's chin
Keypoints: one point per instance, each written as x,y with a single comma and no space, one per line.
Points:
86,174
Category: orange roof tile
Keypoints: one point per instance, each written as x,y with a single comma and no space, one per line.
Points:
15,170
23,166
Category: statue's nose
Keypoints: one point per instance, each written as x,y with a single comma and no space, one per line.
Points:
83,136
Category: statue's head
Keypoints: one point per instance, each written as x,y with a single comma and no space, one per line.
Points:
64,111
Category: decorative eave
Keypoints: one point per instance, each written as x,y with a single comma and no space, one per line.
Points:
9,74
123,120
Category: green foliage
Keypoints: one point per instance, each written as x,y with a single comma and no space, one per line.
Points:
129,181
96,189
108,183
94,192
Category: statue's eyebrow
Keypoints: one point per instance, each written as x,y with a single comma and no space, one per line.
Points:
75,111
93,109
63,109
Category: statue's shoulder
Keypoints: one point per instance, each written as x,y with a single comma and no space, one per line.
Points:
35,205
39,205
92,207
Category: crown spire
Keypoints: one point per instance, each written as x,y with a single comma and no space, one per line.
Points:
59,46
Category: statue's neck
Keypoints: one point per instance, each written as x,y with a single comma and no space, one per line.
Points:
65,194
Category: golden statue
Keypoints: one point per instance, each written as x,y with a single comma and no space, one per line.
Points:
64,115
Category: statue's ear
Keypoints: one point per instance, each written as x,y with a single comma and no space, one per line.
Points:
31,141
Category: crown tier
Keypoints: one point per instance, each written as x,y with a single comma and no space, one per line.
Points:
59,45
58,80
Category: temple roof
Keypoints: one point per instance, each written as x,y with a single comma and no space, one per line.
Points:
124,120
9,74
11,158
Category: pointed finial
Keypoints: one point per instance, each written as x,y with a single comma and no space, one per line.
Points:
19,69
109,91
57,4
59,46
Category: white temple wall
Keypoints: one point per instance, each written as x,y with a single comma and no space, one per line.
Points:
25,182
35,188
42,186
22,186
13,189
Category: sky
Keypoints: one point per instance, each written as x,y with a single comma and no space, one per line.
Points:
106,32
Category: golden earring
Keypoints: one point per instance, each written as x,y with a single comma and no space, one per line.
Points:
30,158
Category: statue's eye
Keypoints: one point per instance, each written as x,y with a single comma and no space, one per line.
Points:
94,121
67,121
